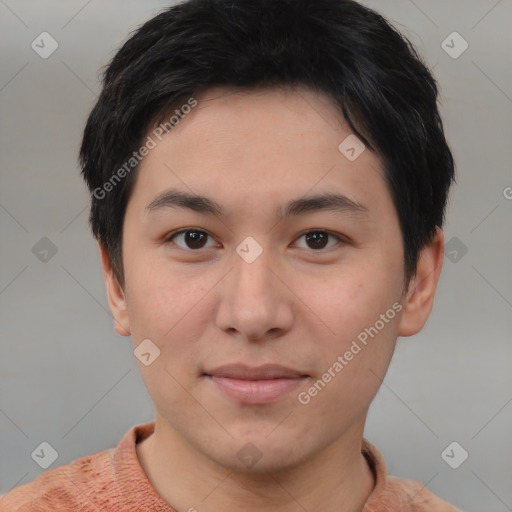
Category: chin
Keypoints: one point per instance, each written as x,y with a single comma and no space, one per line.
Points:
259,455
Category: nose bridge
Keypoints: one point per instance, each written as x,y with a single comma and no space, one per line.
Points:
252,275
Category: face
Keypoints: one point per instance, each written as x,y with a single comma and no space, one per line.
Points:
246,285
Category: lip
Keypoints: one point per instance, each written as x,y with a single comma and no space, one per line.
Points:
255,385
241,371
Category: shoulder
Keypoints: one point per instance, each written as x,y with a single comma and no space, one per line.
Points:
392,493
415,497
72,486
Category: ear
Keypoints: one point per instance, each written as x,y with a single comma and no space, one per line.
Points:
115,294
422,288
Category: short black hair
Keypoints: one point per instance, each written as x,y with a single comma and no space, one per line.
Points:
340,48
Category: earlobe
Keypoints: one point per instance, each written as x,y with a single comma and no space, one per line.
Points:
115,295
420,296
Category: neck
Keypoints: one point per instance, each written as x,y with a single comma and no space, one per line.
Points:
336,479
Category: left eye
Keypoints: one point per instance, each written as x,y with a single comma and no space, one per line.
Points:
319,238
195,238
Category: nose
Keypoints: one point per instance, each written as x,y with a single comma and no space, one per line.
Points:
255,302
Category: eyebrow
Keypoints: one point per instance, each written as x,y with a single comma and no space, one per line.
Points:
339,203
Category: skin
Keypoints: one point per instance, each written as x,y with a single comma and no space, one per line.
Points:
295,305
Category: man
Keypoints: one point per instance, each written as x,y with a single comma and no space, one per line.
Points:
268,182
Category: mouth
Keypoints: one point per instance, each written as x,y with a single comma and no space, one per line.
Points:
255,385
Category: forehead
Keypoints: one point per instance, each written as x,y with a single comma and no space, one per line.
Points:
248,149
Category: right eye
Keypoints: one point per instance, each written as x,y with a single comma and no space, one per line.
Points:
194,239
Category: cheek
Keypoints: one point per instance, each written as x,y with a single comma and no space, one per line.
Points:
362,316
171,313
347,303
168,306
353,363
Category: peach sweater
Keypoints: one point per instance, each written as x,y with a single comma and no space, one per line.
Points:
114,481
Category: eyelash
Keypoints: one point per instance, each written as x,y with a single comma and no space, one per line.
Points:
172,235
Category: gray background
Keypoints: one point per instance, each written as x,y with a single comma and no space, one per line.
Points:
67,378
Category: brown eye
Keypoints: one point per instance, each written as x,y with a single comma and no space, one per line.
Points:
192,238
195,239
317,240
